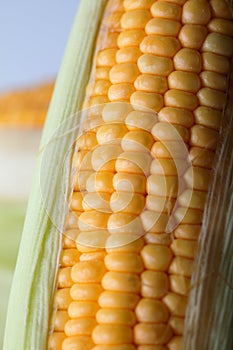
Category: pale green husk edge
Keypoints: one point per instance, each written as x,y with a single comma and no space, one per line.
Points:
30,302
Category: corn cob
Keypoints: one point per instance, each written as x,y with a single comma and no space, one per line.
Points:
141,170
25,108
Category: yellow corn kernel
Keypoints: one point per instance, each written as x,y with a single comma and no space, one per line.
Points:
219,44
125,223
216,63
113,21
85,291
80,326
76,201
106,58
82,309
128,54
180,99
69,257
201,157
116,112
176,304
197,178
129,183
132,37
156,257
166,10
169,167
176,343
161,26
188,216
77,342
123,73
114,347
177,325
159,204
184,81
188,60
150,64
179,284
64,277
191,232
184,248
68,239
100,182
147,99
151,83
160,45
133,163
120,92
56,340
147,333
137,141
123,244
62,298
103,159
121,282
154,284
203,137
137,4
220,9
158,238
127,203
81,180
169,149
135,19
59,320
192,199
214,80
117,316
151,347
162,186
164,131
93,220
151,311
208,117
110,132
176,116
222,26
191,12
212,98
193,36
92,241
102,73
97,201
123,262
112,334
181,266
119,300
87,256
141,120
88,271
154,222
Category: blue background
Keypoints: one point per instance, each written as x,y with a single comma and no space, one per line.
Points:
33,36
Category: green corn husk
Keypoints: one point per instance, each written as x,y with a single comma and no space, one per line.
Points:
211,300
32,288
12,215
209,318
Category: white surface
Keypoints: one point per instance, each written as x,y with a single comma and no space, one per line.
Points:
18,151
